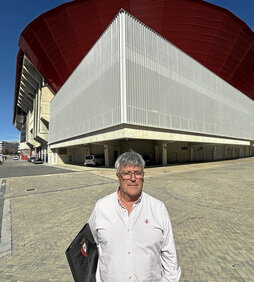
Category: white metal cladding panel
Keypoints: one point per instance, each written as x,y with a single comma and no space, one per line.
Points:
168,89
90,100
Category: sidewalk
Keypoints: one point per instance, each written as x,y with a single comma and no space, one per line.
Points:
210,204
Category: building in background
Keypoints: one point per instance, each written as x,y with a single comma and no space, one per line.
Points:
172,80
9,148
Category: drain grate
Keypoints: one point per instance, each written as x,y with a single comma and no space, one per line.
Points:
30,189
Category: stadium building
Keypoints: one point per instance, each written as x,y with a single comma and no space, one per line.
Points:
171,79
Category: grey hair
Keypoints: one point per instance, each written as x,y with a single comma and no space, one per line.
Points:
129,158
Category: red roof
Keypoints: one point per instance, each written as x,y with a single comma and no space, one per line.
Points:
58,40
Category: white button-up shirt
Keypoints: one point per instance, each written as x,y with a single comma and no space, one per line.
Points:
134,247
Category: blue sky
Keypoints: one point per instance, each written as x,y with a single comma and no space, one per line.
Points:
16,14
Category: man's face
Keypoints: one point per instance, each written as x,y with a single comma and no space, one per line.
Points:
131,179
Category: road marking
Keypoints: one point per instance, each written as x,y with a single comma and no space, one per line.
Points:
2,191
5,242
5,226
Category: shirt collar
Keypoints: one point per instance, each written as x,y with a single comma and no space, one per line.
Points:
137,202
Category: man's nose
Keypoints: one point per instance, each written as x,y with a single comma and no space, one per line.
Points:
133,177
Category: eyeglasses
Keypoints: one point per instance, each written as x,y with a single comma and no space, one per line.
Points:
128,175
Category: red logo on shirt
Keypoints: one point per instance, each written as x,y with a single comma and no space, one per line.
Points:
83,250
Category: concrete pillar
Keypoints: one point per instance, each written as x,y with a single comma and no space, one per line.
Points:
247,151
43,155
191,153
233,153
156,154
164,154
51,156
114,153
226,152
87,150
214,153
106,155
54,157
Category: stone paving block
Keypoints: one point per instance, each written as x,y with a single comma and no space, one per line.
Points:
210,205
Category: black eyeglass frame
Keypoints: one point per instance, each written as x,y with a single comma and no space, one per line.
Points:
137,174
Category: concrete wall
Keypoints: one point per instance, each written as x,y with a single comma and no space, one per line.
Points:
178,152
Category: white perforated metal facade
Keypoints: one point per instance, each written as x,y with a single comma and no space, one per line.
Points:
168,89
90,98
134,76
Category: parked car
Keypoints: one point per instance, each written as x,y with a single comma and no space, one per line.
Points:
31,159
94,160
15,158
38,161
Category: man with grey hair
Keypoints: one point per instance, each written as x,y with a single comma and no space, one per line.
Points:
133,230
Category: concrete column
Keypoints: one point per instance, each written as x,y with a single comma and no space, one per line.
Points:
233,152
214,154
164,154
156,154
51,156
87,150
191,153
226,152
247,151
106,155
43,155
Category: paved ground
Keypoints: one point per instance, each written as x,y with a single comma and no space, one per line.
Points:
18,168
211,207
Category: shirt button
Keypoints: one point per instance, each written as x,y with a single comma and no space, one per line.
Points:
130,277
129,252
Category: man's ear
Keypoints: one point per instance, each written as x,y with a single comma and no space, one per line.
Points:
118,178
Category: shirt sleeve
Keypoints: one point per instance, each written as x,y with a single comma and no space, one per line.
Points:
92,225
171,272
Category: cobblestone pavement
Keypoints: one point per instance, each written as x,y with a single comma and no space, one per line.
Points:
210,204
